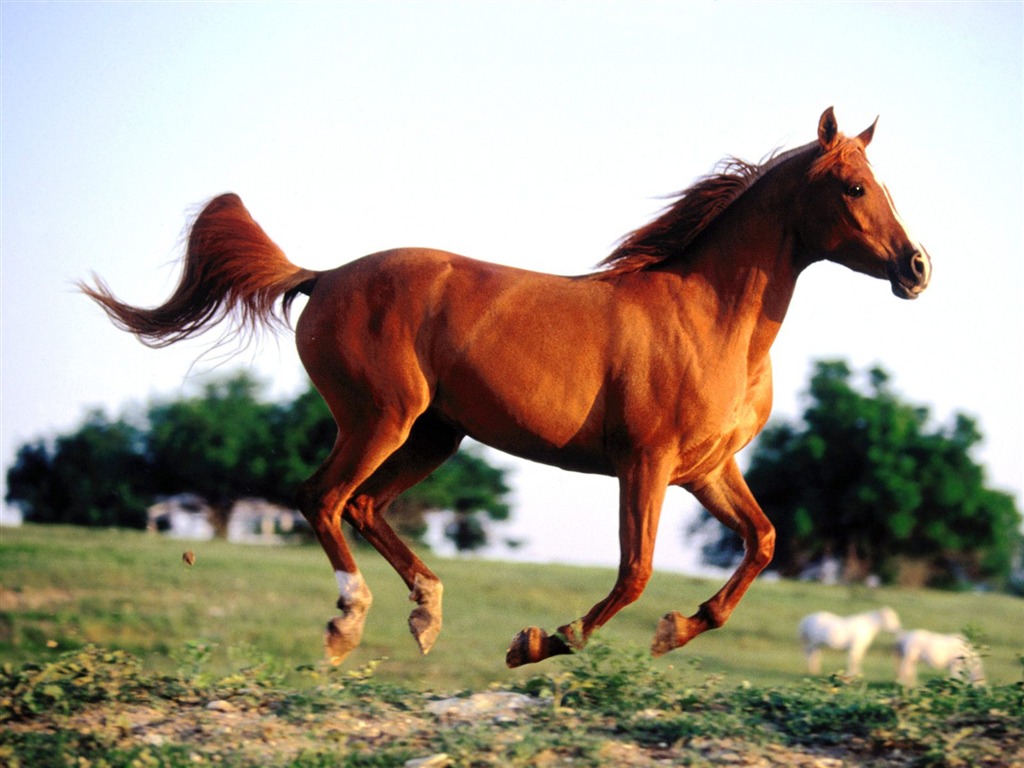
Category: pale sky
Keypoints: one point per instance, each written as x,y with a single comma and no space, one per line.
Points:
533,134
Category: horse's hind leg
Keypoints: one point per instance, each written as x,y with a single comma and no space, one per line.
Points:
358,452
731,502
429,444
323,511
906,670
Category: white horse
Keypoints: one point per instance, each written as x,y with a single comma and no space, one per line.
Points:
849,633
950,652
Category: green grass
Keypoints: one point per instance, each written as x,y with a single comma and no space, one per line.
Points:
65,588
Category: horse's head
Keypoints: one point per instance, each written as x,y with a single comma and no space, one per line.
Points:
888,620
846,215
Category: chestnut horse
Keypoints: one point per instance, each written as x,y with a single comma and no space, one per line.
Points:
653,369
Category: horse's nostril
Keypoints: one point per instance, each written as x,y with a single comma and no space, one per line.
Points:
919,264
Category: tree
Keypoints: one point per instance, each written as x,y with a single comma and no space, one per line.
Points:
95,476
466,485
304,431
220,445
224,444
863,480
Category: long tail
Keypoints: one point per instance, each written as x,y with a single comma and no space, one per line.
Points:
231,271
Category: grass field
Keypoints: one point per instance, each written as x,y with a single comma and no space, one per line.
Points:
116,653
64,588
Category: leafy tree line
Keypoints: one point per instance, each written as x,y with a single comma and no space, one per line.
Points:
863,479
224,445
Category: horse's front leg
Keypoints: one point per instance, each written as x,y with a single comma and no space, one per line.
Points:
641,493
726,496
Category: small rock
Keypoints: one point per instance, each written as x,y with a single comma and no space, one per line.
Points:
434,761
501,706
219,705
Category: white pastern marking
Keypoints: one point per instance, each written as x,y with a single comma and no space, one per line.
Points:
351,586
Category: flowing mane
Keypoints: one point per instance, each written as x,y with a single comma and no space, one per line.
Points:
693,211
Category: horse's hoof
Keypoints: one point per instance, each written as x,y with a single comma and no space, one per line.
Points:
674,631
527,647
533,645
424,628
425,619
340,638
665,636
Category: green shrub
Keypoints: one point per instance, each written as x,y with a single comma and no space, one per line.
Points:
76,679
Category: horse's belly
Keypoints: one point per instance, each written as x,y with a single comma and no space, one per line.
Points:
563,418
534,420
546,433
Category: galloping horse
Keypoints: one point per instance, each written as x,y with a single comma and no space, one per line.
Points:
653,369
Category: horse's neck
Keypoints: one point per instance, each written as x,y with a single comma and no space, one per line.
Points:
747,262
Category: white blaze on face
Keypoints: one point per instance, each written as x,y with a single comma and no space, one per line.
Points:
896,214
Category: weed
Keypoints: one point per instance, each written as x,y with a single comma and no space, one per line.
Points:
816,712
614,681
76,679
192,661
611,704
950,722
387,758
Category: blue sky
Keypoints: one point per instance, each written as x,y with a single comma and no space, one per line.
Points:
530,133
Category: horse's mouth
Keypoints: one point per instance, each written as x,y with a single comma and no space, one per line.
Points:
907,291
911,283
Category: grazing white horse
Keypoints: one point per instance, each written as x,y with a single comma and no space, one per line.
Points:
849,633
950,652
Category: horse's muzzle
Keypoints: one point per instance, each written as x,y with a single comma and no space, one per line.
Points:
911,274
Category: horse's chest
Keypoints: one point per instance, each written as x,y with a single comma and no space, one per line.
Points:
714,423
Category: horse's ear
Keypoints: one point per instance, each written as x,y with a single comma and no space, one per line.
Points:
828,129
867,133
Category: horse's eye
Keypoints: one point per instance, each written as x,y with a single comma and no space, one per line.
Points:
855,190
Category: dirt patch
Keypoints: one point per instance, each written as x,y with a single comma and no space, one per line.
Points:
456,734
33,599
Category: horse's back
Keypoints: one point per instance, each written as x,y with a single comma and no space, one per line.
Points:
409,271
407,282
933,648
